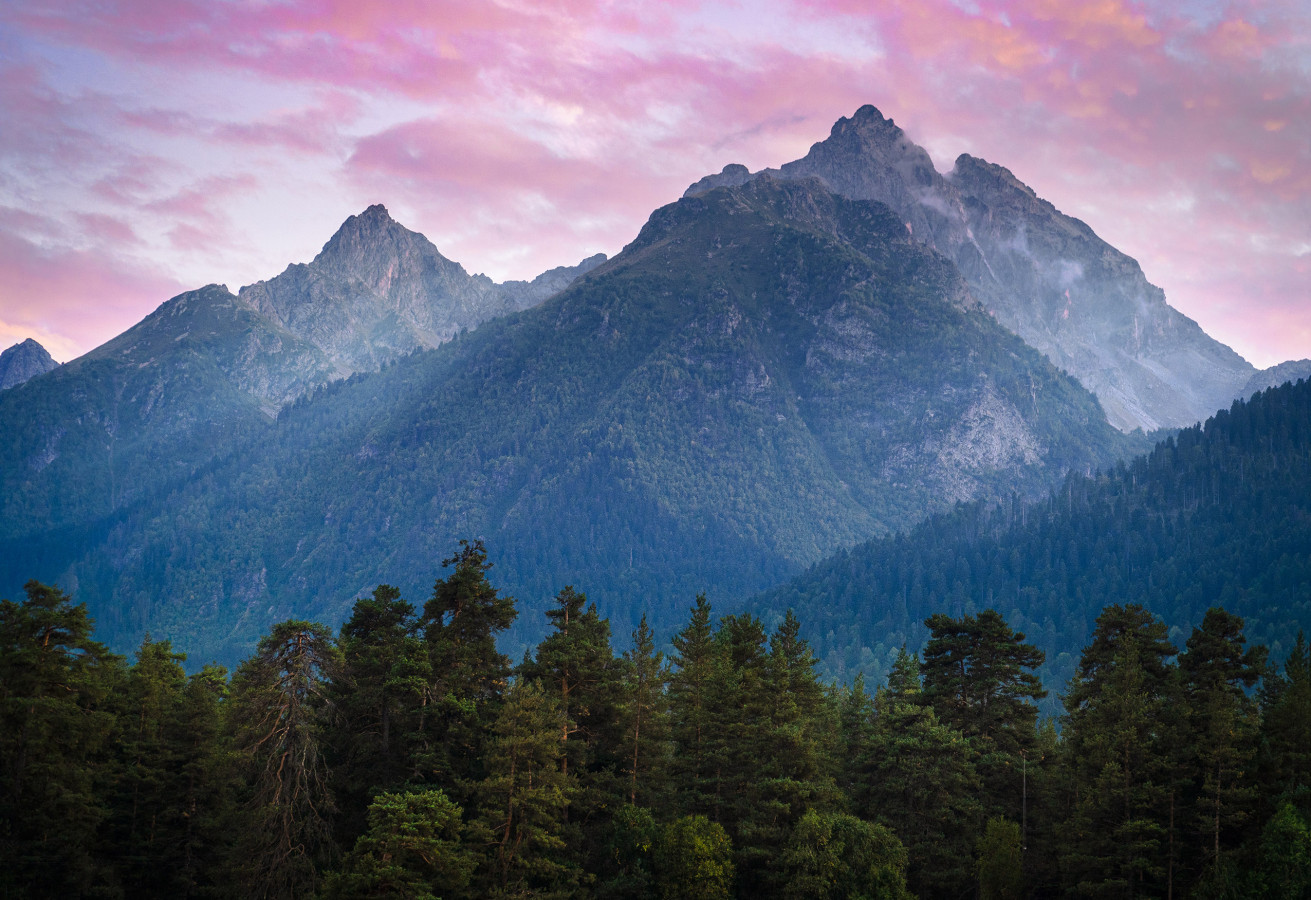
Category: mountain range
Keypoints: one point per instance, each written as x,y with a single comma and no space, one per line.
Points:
779,365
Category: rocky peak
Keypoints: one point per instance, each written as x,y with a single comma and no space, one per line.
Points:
378,251
734,175
1044,275
23,362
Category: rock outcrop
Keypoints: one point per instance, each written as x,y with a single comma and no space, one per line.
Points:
1044,275
23,362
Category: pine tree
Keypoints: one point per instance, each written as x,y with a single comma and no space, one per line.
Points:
376,694
1285,758
148,828
645,742
413,849
56,722
278,715
918,778
524,798
693,711
978,675
1218,672
576,664
1114,840
460,624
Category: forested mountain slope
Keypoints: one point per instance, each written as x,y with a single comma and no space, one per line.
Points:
765,374
1219,515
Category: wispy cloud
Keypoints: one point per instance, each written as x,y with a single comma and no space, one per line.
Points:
219,141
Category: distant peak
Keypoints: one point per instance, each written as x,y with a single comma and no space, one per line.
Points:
22,362
376,211
868,116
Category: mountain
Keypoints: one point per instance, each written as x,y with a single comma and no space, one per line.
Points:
378,291
1292,370
22,362
208,371
765,373
1218,515
193,380
1044,275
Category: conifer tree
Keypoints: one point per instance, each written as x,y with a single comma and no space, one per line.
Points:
460,624
575,663
278,716
1285,759
1114,841
56,722
147,828
524,798
1218,671
646,717
918,778
376,695
978,675
413,850
693,711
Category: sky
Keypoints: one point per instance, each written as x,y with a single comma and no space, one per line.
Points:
153,146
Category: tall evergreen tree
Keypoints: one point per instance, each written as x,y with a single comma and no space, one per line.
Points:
1218,673
646,717
693,711
1114,838
918,778
460,624
524,797
278,715
1285,756
575,663
148,825
56,722
979,677
376,695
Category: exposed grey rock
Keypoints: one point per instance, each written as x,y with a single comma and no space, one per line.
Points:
23,362
1044,275
523,294
1291,370
212,329
378,291
734,175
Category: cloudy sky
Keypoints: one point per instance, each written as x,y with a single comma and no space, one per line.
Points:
153,146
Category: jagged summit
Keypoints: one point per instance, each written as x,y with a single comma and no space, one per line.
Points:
23,362
1042,274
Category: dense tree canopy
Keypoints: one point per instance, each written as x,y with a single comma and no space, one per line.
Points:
405,757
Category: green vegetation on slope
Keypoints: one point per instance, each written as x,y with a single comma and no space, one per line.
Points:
764,375
1219,514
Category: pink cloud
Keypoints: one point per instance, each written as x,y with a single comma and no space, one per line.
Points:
71,300
524,137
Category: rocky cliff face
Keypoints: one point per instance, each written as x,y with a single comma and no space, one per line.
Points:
378,291
23,362
1292,370
1044,275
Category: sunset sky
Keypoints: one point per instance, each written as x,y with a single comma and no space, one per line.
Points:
152,147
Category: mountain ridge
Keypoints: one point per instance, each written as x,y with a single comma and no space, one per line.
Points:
1046,276
764,373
